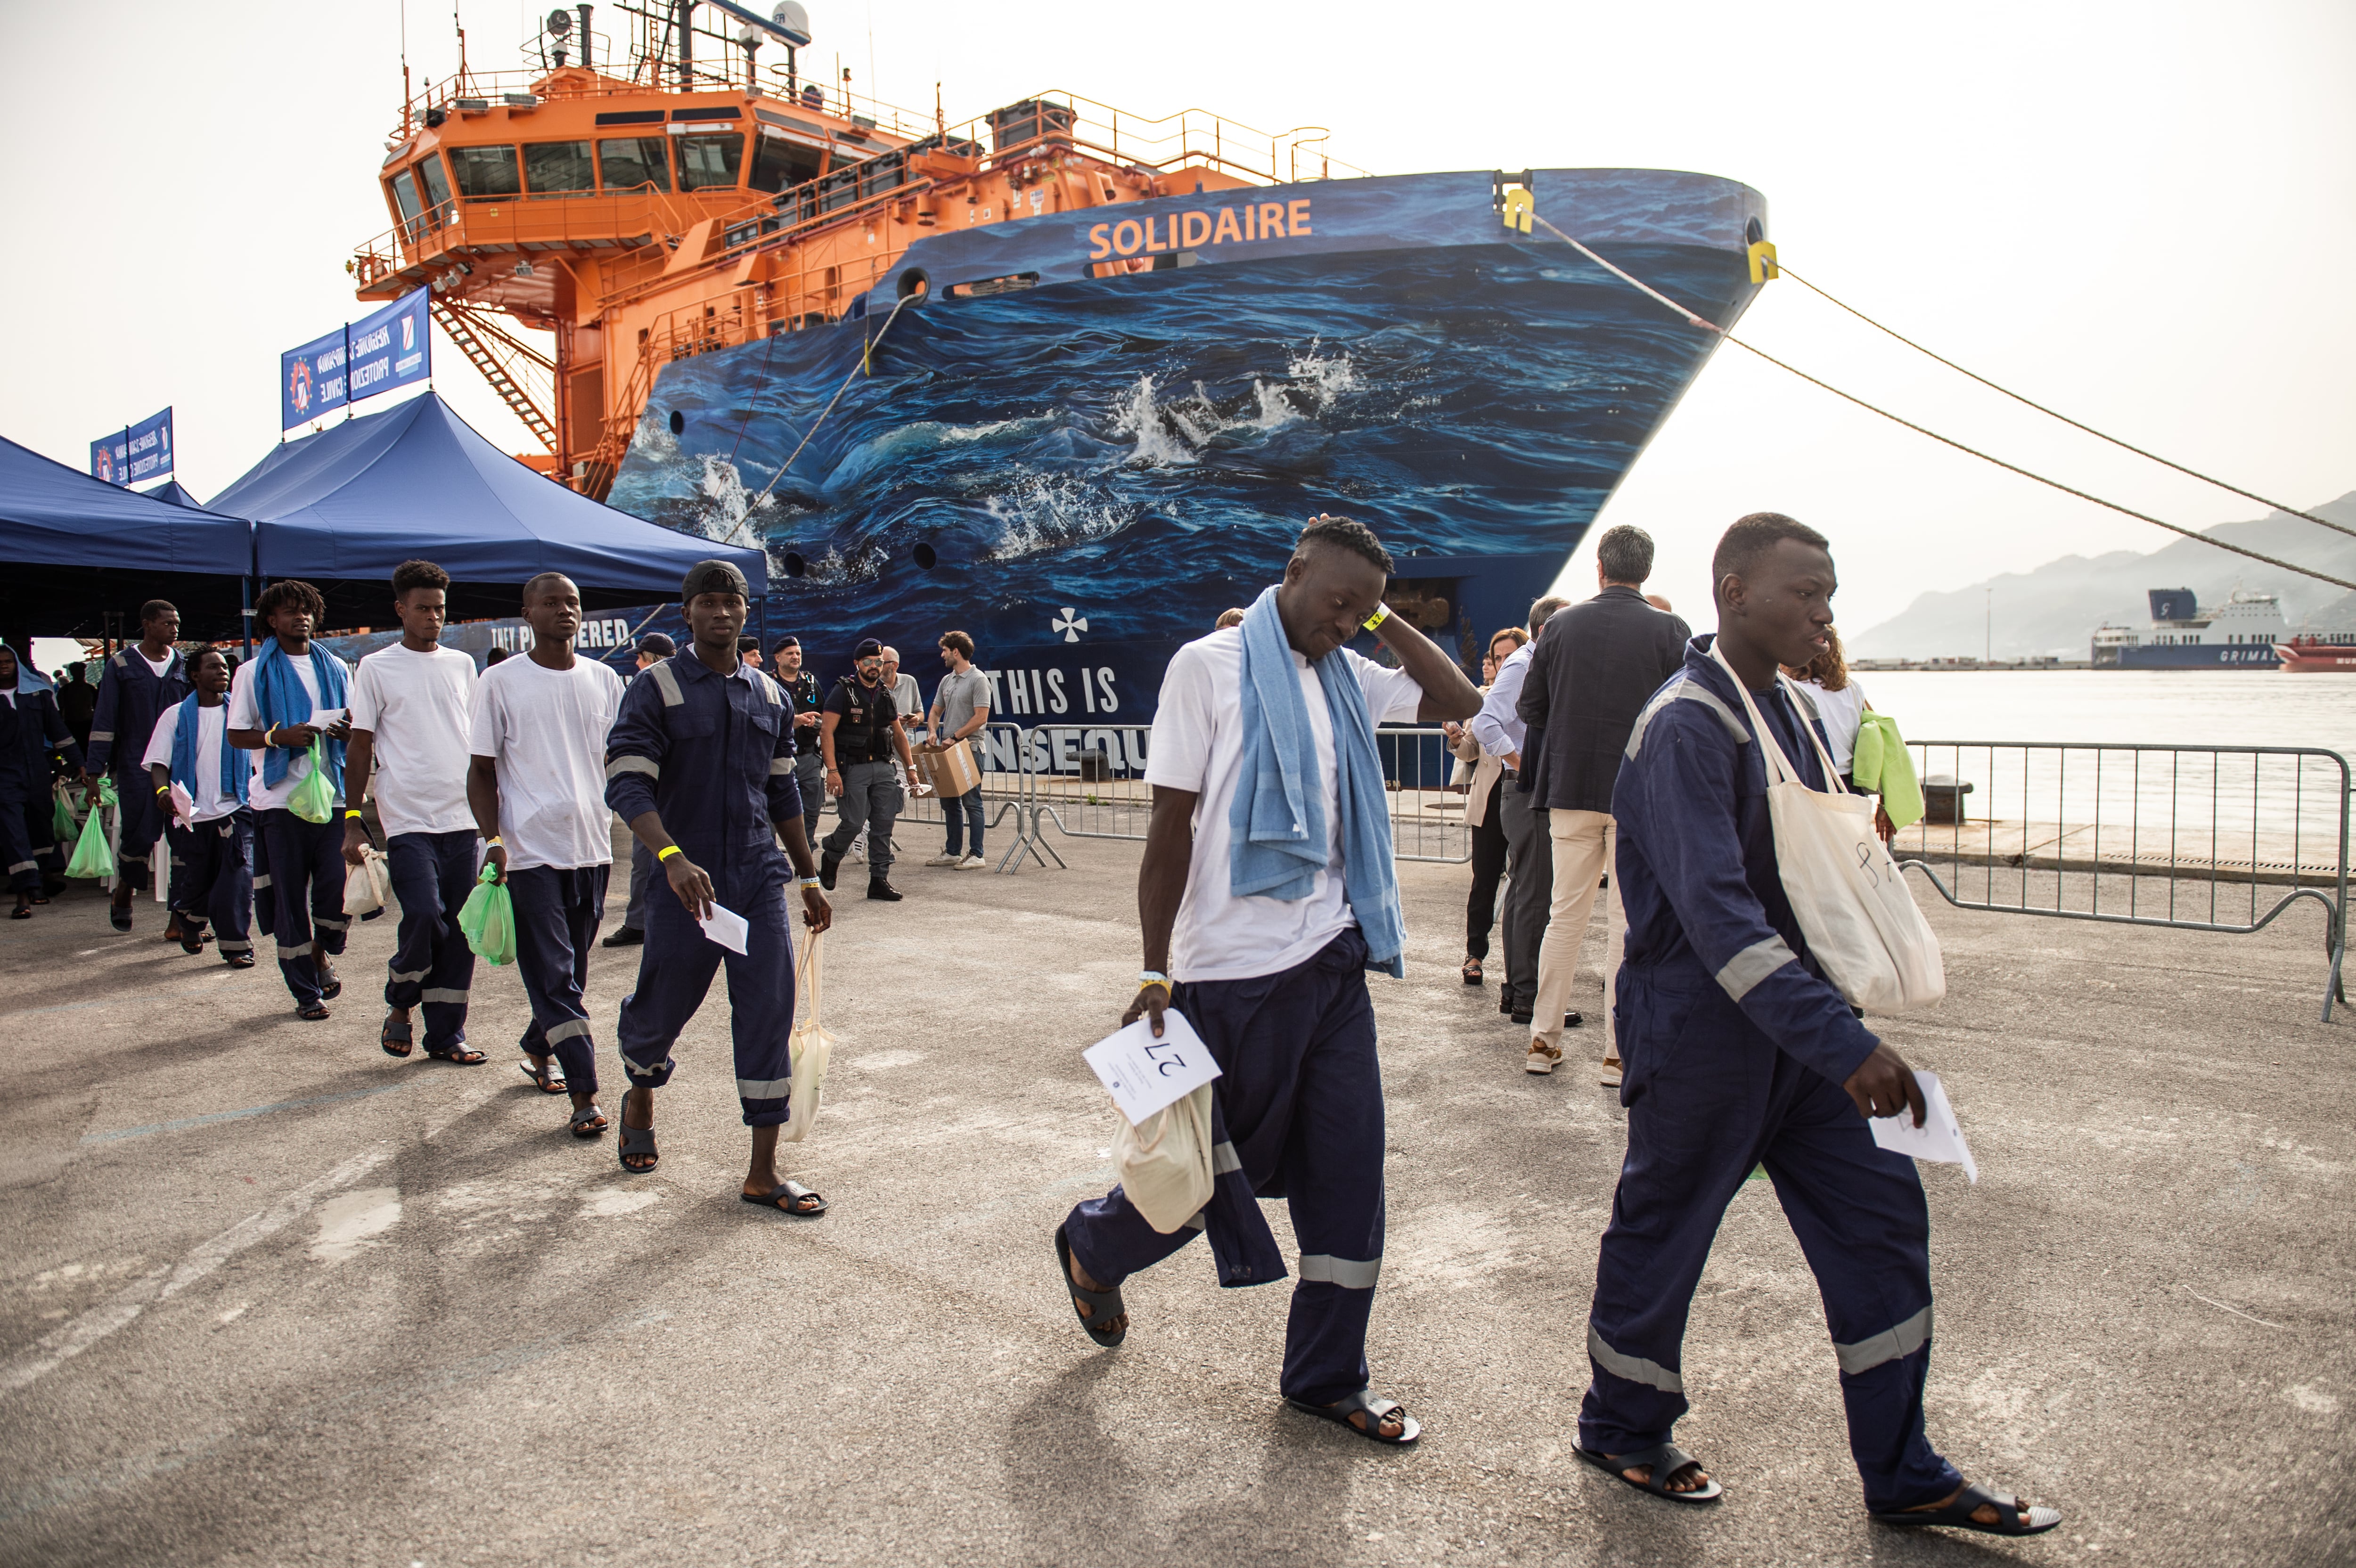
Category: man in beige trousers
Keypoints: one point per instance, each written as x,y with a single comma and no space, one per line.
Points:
1590,675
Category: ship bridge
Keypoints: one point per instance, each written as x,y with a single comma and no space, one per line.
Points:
680,205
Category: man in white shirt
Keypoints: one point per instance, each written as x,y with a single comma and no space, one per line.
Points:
538,786
410,706
1275,985
286,697
212,847
1529,852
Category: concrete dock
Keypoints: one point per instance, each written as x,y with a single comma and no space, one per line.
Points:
273,1298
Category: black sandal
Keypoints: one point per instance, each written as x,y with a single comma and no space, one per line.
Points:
1376,1408
312,1011
192,945
331,985
588,1120
543,1076
637,1140
799,1201
1666,1461
459,1055
1104,1305
396,1037
1957,1514
1472,972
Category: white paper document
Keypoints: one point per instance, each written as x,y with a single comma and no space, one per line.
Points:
726,927
1142,1073
329,717
1940,1139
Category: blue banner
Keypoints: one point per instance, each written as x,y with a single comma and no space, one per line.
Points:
138,456
392,348
311,380
381,353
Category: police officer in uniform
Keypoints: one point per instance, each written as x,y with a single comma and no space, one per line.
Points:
138,683
699,763
859,733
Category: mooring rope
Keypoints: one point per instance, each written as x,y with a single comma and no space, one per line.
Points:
1708,326
866,357
2056,413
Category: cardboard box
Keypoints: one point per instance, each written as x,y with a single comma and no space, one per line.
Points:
951,770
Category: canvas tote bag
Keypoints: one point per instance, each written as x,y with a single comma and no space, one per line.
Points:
1164,1161
811,1047
1852,905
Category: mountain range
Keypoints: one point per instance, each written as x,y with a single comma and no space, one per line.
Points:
2055,608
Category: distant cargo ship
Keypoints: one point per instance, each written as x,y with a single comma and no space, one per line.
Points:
2240,634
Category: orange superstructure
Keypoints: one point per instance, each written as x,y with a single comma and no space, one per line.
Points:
681,207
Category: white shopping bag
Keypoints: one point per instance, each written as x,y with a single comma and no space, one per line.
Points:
1164,1161
1853,905
368,887
813,1048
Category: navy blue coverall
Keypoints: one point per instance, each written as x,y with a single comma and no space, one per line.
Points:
31,729
1736,1048
714,755
130,698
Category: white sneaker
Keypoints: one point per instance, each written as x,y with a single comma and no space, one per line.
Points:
859,852
946,861
973,863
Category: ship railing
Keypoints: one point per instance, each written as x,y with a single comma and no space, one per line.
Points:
1191,137
457,94
2217,838
531,221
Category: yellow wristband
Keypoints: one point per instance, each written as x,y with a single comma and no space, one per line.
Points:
1382,613
352,817
667,851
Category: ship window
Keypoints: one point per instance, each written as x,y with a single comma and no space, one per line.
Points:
710,160
781,164
438,186
629,163
484,171
404,197
557,168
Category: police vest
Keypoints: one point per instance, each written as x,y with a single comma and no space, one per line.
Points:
863,726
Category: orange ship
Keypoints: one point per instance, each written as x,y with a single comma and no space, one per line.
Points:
683,204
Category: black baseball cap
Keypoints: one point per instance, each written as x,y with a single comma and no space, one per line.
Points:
868,648
655,643
714,577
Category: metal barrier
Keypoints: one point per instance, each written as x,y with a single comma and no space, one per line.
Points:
1006,792
1426,815
2182,837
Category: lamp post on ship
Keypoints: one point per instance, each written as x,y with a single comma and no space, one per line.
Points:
1988,629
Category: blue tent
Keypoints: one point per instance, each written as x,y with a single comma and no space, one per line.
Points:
170,490
343,507
74,548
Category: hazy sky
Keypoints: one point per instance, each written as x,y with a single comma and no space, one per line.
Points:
2142,214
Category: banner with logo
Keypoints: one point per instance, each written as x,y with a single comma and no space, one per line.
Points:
381,353
138,456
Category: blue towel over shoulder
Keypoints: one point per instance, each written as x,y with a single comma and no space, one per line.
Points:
1276,820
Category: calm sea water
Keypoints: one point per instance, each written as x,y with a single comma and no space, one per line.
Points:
2188,708
2267,808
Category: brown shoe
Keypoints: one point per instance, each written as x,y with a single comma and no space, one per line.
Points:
1542,1057
1612,1073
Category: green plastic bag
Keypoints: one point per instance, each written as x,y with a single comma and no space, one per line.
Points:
314,797
61,819
91,857
1881,767
488,918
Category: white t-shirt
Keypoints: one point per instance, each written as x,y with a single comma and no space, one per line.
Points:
245,713
212,734
1842,711
546,729
158,665
419,707
1199,745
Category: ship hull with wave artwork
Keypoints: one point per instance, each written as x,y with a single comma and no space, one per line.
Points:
1081,448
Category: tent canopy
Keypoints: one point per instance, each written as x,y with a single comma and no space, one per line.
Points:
170,490
73,548
343,507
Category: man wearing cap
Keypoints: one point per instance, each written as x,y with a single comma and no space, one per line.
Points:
859,734
802,691
699,763
654,646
